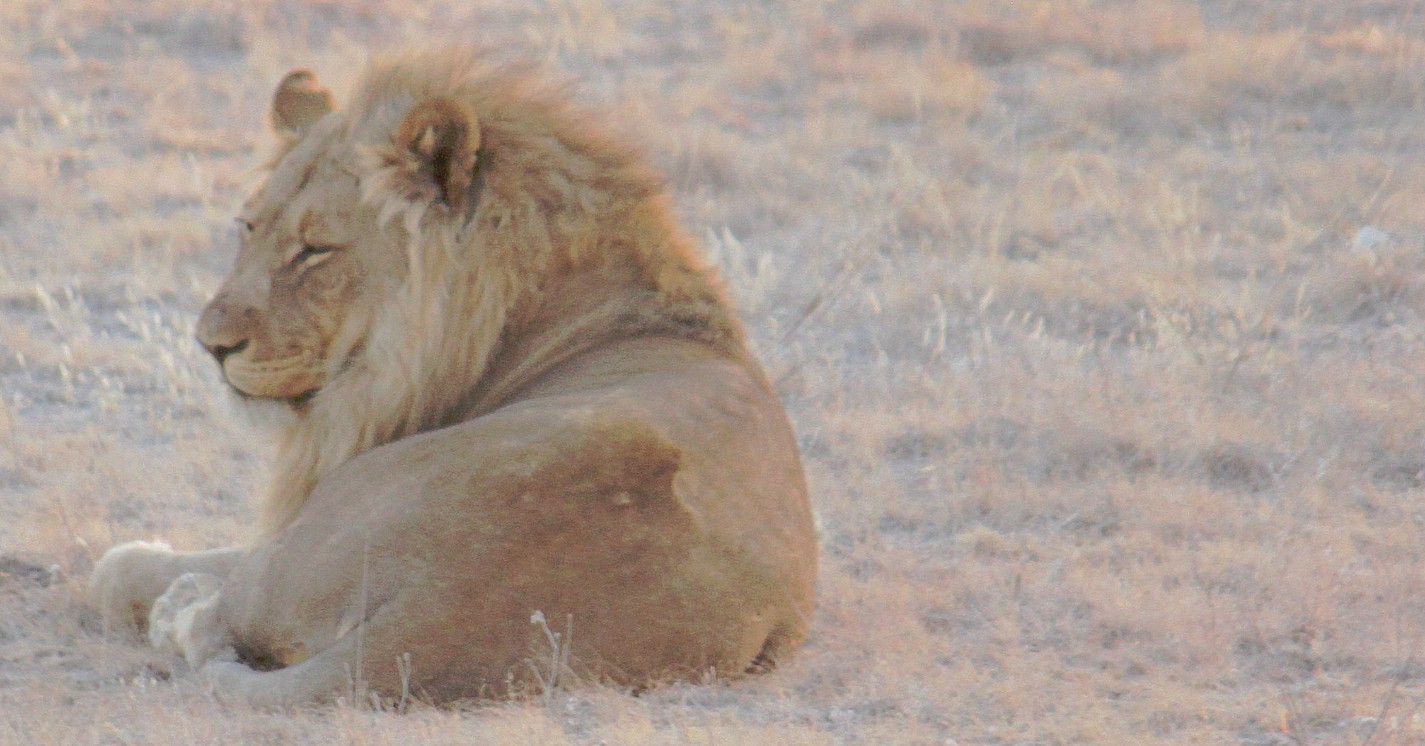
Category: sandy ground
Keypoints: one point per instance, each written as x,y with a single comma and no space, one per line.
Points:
1099,320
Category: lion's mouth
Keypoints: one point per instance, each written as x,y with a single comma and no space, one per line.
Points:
298,403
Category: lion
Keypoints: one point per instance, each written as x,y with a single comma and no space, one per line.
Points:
520,413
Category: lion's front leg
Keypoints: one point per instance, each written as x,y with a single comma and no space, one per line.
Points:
129,577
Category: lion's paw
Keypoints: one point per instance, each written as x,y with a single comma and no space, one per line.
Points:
125,582
184,620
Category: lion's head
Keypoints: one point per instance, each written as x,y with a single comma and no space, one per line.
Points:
440,226
314,263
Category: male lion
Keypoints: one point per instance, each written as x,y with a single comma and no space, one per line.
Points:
515,392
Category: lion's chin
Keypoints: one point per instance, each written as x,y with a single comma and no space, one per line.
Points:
264,414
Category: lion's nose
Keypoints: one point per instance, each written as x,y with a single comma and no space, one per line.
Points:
224,327
221,352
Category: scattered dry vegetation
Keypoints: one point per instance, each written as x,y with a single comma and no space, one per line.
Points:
1101,322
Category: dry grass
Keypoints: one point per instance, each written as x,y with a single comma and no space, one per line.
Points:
1100,321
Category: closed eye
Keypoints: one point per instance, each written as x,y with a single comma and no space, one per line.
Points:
313,253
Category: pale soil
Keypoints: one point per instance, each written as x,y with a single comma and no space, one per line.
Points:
1100,322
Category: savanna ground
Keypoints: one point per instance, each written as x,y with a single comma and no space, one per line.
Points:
1100,322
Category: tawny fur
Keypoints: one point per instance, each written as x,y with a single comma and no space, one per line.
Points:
494,337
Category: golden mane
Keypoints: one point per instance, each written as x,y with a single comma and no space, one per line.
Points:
552,192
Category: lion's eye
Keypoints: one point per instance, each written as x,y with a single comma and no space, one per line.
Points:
312,252
245,225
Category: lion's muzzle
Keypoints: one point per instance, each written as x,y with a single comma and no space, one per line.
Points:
224,330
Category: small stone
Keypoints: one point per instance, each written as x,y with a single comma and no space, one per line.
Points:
1369,238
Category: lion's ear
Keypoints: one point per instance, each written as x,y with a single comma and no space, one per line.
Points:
299,102
441,137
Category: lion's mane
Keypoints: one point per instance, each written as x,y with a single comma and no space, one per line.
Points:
558,191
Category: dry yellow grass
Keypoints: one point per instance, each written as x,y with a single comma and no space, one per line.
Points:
1100,321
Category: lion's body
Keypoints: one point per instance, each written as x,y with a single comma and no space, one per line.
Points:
534,402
